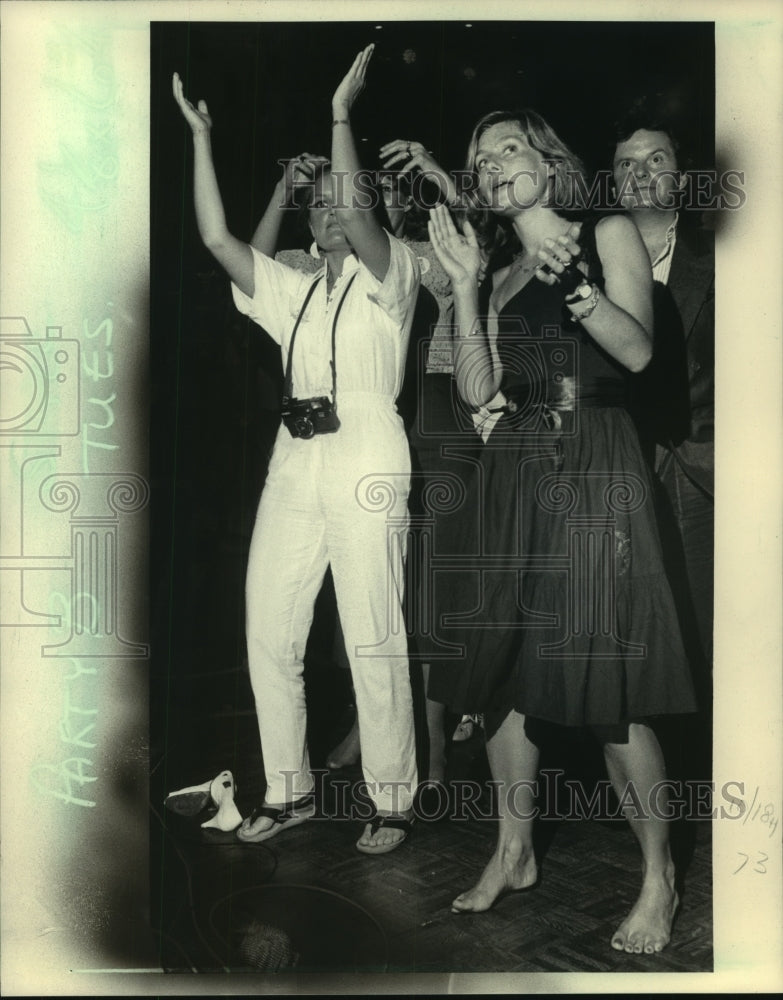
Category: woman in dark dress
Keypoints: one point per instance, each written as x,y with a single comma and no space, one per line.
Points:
567,615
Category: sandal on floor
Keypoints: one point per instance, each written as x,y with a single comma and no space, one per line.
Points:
290,814
392,823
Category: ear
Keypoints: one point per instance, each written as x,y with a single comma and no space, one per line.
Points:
683,180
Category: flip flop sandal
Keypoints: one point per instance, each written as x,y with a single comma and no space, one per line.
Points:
290,814
392,823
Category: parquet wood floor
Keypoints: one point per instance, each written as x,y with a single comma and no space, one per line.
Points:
343,911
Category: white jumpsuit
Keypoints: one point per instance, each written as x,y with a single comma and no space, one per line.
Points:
338,499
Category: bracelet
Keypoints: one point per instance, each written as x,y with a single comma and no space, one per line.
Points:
591,303
340,121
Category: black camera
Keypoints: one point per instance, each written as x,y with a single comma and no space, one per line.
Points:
306,417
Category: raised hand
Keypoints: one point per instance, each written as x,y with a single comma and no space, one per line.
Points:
299,172
352,83
458,252
198,118
413,156
410,155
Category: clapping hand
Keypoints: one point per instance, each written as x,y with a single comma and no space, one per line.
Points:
458,252
352,83
198,118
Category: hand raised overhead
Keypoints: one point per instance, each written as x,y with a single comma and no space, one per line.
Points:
409,155
300,171
198,118
352,83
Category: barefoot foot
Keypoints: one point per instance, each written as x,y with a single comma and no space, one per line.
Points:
647,928
508,871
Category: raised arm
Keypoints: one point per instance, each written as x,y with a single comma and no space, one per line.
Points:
299,171
355,216
620,320
232,254
413,156
476,367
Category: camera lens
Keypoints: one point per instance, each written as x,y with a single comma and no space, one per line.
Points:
304,427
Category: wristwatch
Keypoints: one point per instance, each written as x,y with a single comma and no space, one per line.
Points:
583,300
581,293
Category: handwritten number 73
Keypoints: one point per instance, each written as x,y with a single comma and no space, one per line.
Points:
759,866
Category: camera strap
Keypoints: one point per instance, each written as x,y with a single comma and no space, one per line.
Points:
287,384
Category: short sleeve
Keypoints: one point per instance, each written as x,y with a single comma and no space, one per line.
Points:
396,294
300,260
277,290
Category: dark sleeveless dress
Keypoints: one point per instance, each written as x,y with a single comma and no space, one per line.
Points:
559,601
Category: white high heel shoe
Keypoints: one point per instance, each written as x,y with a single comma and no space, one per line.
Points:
195,798
189,801
222,791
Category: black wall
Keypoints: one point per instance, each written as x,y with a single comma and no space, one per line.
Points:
215,376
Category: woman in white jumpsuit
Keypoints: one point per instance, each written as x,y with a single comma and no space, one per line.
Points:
337,498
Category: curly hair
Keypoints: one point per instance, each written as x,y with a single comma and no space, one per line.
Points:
496,234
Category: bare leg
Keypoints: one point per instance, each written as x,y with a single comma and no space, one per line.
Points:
513,760
347,752
436,716
647,928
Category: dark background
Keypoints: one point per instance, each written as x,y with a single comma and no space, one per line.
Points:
215,376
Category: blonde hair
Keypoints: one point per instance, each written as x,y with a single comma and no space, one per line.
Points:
563,196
